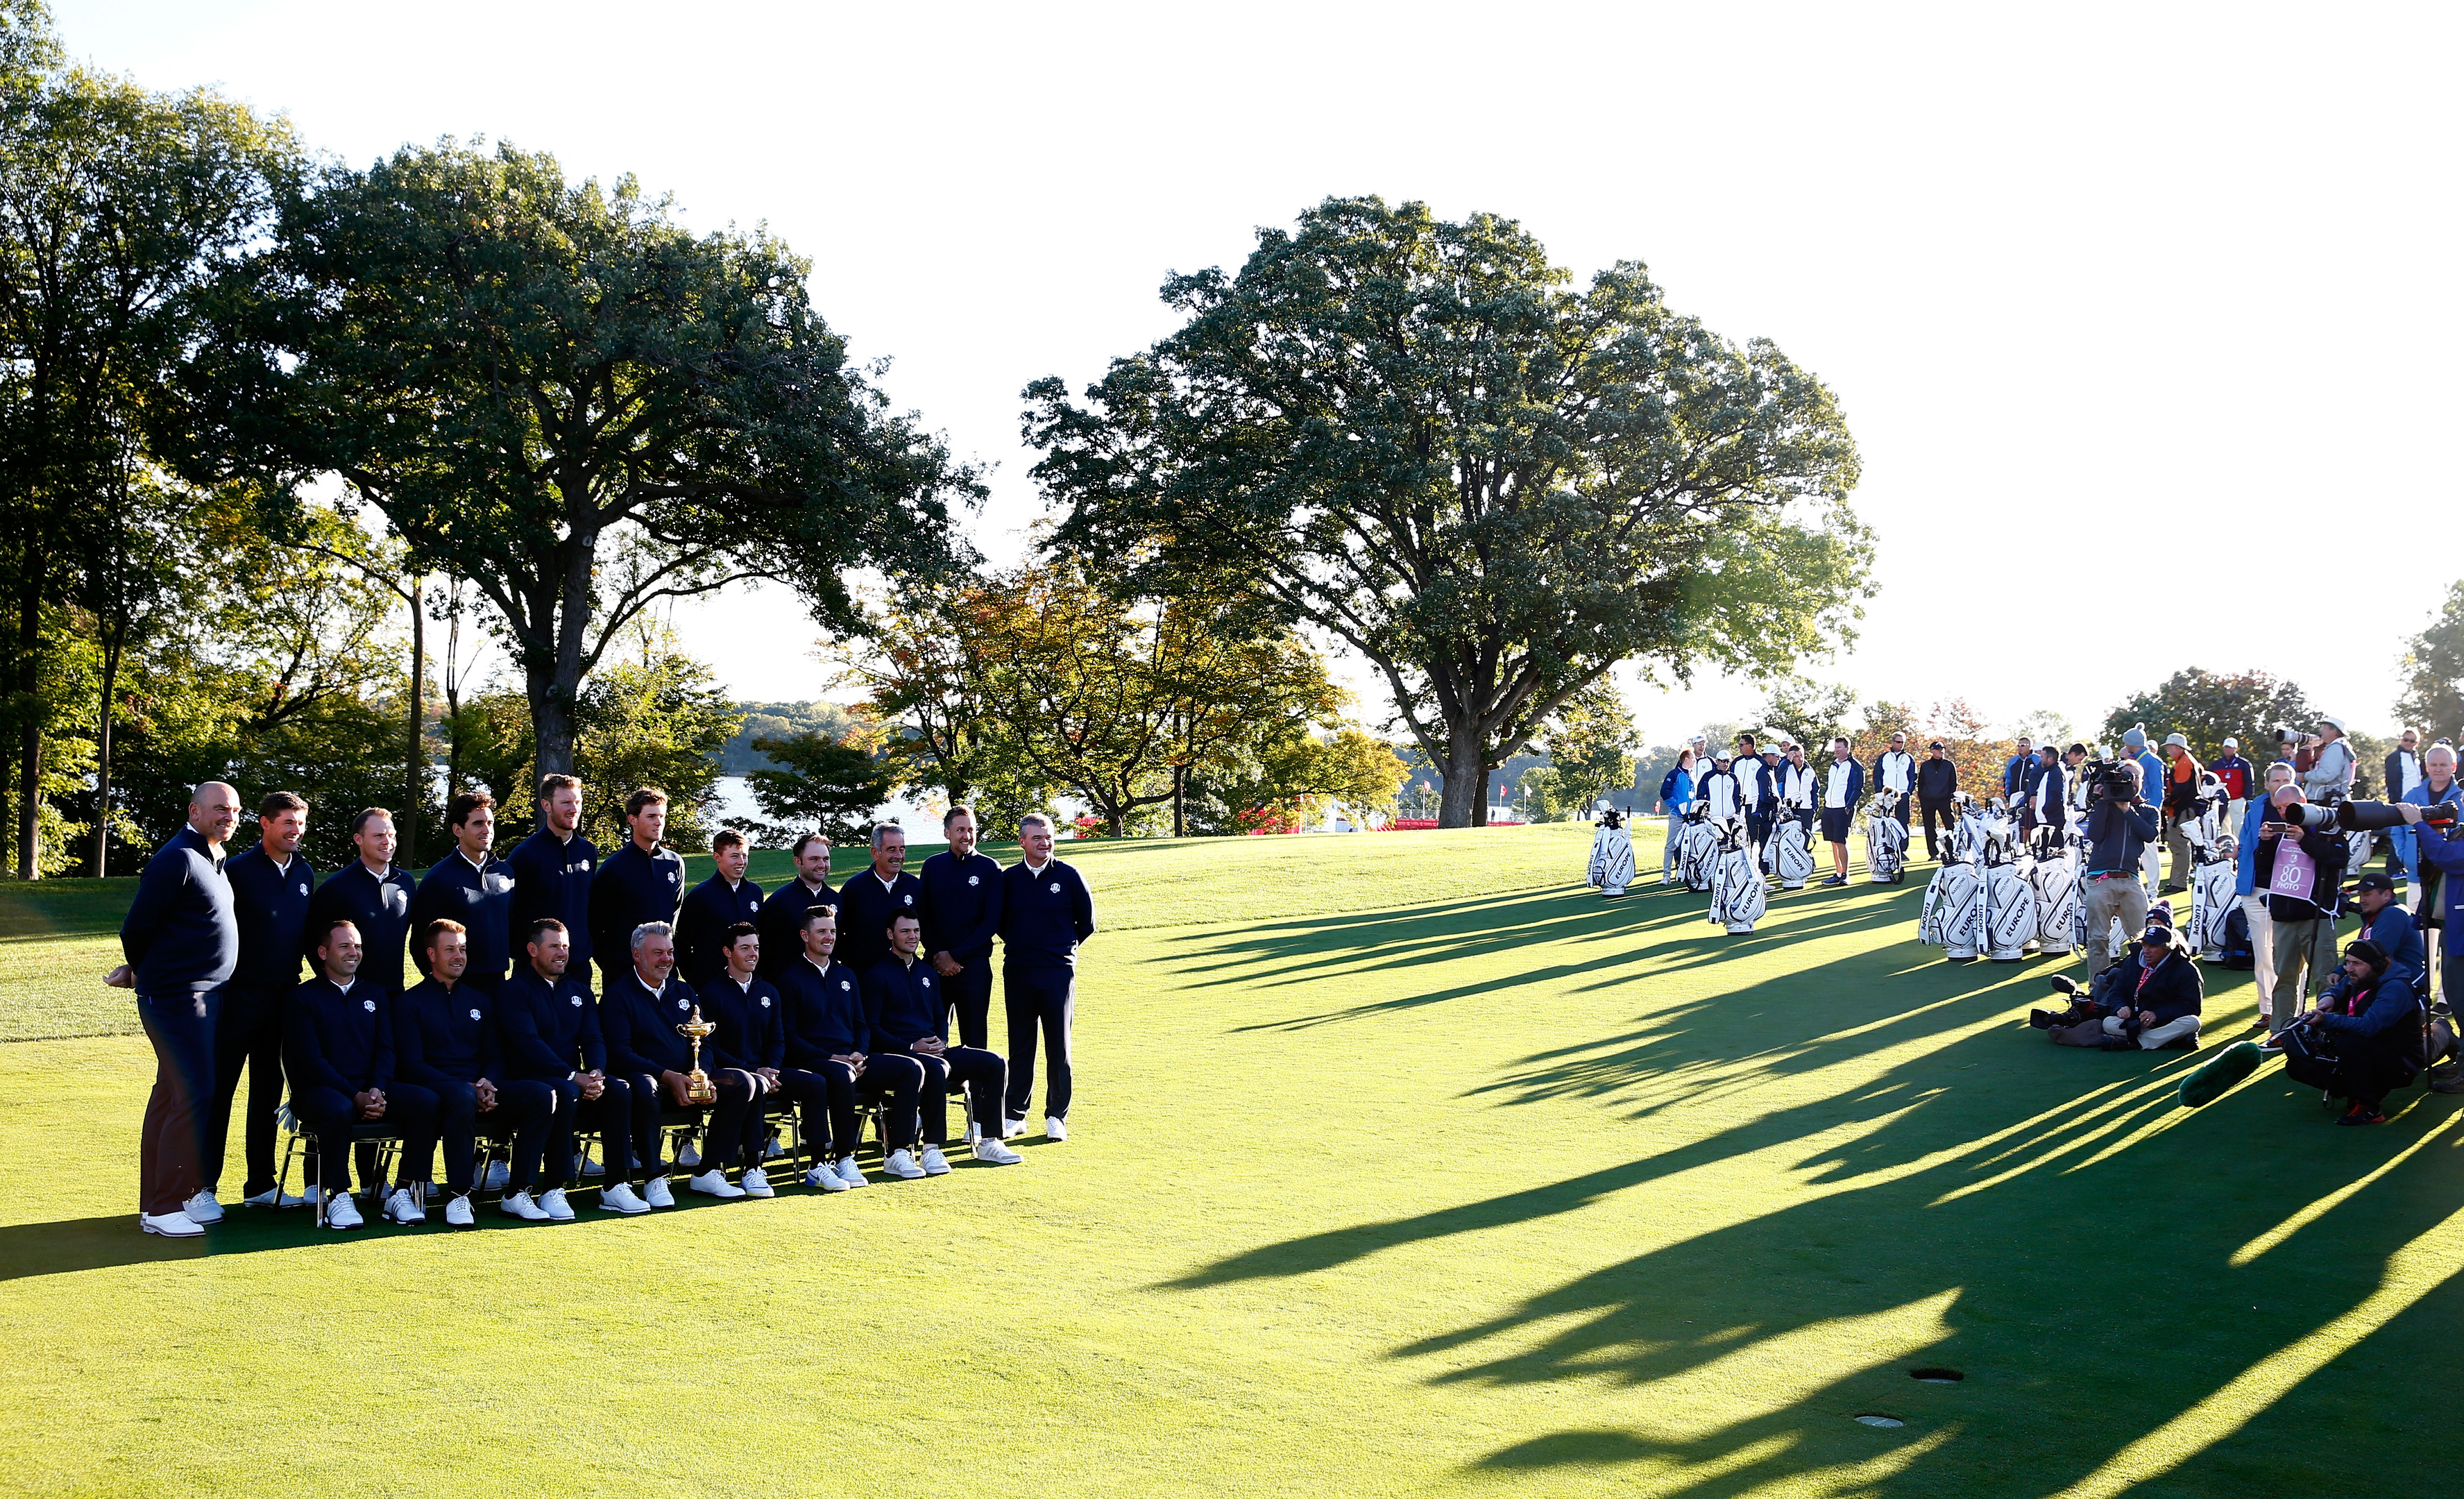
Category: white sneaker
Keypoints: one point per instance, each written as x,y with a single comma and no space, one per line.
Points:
974,1132
619,1197
171,1226
655,1193
274,1196
1012,1129
848,1173
586,1165
755,1182
342,1213
826,1178
402,1208
772,1150
553,1203
713,1182
935,1164
687,1157
457,1213
498,1174
519,1204
1055,1128
994,1153
901,1163
202,1208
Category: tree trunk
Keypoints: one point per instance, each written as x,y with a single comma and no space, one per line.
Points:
1462,801
551,722
29,735
414,765
1180,800
103,758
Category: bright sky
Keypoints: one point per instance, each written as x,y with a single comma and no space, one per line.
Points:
2142,319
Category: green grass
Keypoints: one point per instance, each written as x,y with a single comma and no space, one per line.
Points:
1401,1165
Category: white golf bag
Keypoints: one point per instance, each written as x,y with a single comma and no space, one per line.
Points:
2215,876
1791,856
1886,841
1953,916
2009,899
2052,874
1737,892
1612,868
1698,849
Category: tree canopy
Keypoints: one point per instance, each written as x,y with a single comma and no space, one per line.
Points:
2204,707
2432,699
1417,436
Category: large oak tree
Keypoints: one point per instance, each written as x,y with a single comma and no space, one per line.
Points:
1421,438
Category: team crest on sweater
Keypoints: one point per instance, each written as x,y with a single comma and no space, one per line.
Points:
369,1005
475,1014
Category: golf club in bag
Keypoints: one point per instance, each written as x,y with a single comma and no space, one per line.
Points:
2214,873
1612,868
1698,848
2009,899
1791,855
1887,839
1953,916
1737,893
2053,877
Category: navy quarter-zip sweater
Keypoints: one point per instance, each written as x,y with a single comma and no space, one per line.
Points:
701,927
826,1014
1045,916
782,924
902,1003
552,878
271,903
182,936
641,1027
864,909
752,1024
336,1038
443,1035
549,1031
631,888
380,907
481,897
962,905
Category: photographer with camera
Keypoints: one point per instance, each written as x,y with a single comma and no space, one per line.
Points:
2147,1004
2362,1040
2301,867
2330,772
2120,827
2254,900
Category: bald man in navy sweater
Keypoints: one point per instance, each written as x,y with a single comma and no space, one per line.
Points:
1047,910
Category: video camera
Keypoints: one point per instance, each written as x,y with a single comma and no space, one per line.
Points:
2112,781
2353,817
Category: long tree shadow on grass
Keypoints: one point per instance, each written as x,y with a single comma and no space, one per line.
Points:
2095,1259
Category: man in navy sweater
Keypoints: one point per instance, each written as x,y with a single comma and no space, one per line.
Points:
338,1051
1047,910
783,916
869,900
373,896
906,1015
713,908
444,1040
552,868
549,1026
751,1040
270,888
182,942
827,1041
638,1012
962,906
473,886
639,883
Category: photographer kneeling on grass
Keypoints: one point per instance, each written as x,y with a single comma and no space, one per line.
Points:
2362,1040
2145,1004
2121,826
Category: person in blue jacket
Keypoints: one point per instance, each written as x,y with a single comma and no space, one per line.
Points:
553,869
2151,776
962,910
714,907
549,1026
640,883
2363,1038
751,1040
1676,795
338,1052
181,940
1047,912
271,885
2385,922
1842,788
831,1063
472,887
2441,853
444,1038
870,898
783,916
905,1016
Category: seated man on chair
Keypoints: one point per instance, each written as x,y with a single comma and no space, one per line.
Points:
2362,1041
2148,1004
824,1039
444,1040
903,1010
639,1010
550,1029
750,1043
338,1054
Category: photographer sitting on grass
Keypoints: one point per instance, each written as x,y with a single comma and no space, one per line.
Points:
2148,1004
2363,1040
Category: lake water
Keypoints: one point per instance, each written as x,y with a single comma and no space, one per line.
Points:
736,805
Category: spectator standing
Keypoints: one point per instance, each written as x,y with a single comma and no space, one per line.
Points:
1895,769
2117,834
2331,774
2180,806
2254,900
2427,889
2041,804
1937,782
2300,870
2404,772
1676,795
1843,786
2016,769
2151,790
2238,776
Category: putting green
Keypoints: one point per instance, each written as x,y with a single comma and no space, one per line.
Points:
1400,1164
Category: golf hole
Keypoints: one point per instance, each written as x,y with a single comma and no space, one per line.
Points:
1877,1419
1933,1375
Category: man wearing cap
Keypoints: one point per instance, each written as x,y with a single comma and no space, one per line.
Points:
2180,806
2427,891
1937,782
2238,776
2332,773
1843,786
1895,769
2149,1003
2254,900
2302,869
2364,1037
2152,789
2385,922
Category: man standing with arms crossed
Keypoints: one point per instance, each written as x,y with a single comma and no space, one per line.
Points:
962,908
271,885
1047,910
552,870
1895,769
182,942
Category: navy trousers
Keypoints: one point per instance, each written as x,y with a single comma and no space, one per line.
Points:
170,1159
898,1079
410,1112
982,1073
526,1111
1040,1000
522,1116
248,1039
738,1126
622,1117
970,995
826,1097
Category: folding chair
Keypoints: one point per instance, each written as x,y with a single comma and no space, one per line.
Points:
376,1146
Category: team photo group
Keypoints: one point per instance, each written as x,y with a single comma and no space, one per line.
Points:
559,1018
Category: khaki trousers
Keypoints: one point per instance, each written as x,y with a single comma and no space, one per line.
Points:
2105,900
2295,943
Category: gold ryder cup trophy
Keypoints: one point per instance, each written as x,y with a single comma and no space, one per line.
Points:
697,1088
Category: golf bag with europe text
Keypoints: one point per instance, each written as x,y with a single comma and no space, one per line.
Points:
2052,874
1953,916
1612,868
1887,839
1698,848
2010,900
1737,893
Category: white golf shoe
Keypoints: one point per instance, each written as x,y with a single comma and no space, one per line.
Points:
848,1171
618,1197
687,1157
402,1208
458,1215
935,1164
655,1193
171,1226
1055,1128
202,1208
713,1182
342,1213
993,1153
826,1178
901,1163
274,1196
755,1182
1012,1129
554,1204
498,1174
519,1204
